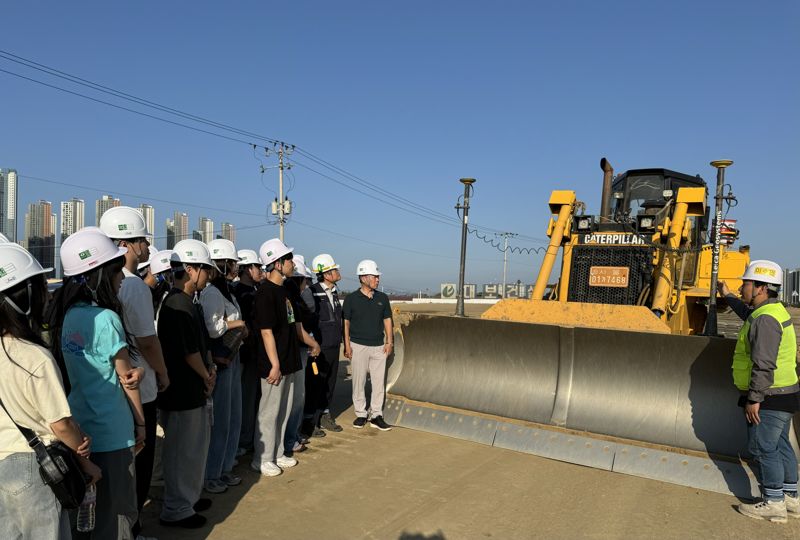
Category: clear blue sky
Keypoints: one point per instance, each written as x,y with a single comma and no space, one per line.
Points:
524,96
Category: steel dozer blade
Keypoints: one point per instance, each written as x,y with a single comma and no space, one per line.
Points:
648,404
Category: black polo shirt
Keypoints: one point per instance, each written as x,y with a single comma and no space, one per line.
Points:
273,310
366,316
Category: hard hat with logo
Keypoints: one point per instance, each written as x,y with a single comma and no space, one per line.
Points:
160,261
87,249
272,250
222,249
123,222
247,257
17,265
765,272
192,252
368,267
323,263
300,268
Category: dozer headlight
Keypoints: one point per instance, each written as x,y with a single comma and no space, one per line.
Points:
584,223
646,223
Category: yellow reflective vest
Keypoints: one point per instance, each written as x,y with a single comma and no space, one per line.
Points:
785,373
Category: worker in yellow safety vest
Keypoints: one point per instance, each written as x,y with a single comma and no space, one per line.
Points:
764,371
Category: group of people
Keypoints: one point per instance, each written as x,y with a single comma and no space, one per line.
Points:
230,352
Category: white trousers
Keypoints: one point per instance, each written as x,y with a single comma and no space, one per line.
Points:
372,361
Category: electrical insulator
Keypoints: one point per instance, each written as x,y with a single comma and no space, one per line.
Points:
275,207
287,206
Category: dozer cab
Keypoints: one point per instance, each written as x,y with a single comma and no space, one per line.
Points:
606,366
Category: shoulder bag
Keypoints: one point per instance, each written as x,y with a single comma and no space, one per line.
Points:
58,467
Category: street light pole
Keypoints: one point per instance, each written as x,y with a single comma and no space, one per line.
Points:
464,221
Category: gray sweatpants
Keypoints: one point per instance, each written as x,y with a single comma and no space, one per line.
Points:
273,415
183,459
372,361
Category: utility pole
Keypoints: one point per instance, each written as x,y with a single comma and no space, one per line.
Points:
506,236
464,221
711,320
282,206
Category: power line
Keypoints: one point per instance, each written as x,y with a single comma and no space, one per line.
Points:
400,202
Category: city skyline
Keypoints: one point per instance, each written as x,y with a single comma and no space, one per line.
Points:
44,230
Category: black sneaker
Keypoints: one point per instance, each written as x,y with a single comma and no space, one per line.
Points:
379,423
329,424
359,422
318,432
195,521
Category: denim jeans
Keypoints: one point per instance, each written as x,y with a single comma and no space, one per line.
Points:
776,462
28,508
298,402
227,421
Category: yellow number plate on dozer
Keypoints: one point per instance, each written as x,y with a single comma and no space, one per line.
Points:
608,276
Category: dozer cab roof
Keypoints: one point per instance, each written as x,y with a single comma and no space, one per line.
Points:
637,189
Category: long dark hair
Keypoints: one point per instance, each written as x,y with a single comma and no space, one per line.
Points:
17,325
94,286
221,282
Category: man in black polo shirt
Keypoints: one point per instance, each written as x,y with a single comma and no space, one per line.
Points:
182,334
367,342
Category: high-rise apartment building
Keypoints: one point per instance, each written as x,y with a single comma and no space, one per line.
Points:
205,227
73,213
8,203
40,234
177,229
103,204
229,232
149,214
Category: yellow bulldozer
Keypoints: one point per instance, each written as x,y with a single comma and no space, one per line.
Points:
607,366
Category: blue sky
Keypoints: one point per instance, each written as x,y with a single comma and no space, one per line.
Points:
526,97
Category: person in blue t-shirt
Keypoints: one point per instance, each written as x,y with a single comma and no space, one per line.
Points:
88,335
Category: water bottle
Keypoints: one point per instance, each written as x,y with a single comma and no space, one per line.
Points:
86,509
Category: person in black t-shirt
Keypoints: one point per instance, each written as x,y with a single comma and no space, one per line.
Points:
278,359
182,333
250,276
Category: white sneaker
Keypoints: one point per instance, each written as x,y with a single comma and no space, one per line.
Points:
792,506
267,469
285,462
774,511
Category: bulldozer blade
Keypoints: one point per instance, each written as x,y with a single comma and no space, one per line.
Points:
652,405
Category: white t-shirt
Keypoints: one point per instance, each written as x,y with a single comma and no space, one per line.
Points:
33,393
217,311
137,311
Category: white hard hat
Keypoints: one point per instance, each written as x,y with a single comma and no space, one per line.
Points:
765,272
300,268
192,252
3,239
247,257
160,261
323,263
272,250
123,222
17,265
87,249
368,267
222,249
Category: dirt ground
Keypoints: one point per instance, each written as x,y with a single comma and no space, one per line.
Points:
411,485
